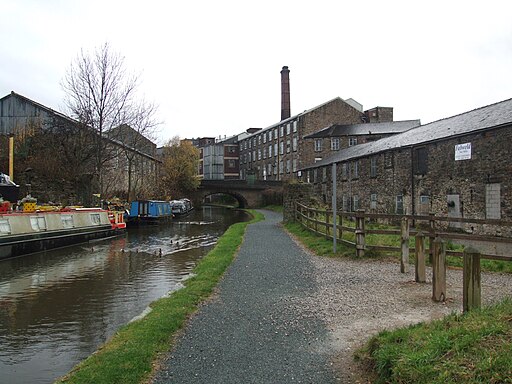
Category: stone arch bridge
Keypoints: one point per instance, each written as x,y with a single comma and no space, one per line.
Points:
249,194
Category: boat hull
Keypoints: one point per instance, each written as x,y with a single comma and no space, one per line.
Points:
40,242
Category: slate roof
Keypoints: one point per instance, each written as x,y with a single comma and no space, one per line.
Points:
491,116
291,118
337,130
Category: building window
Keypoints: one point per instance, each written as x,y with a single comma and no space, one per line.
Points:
345,204
388,159
270,150
253,155
294,165
399,206
335,144
373,201
281,147
259,154
324,174
264,137
281,130
250,141
288,166
295,126
275,149
493,201
259,139
373,167
275,133
318,145
288,147
250,158
264,152
294,144
352,141
344,171
288,128
280,167
355,202
355,173
420,159
269,167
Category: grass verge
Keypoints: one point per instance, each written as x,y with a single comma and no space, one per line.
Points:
128,357
471,348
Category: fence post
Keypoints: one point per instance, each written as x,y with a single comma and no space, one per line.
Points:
404,260
471,288
340,224
432,234
420,258
315,215
359,233
439,271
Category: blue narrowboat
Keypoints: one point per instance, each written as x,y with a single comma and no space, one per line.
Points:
149,212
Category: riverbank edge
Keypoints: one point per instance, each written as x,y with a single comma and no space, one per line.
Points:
132,353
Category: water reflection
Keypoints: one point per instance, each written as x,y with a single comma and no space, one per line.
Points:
56,308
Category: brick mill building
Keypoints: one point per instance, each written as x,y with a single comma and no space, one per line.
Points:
459,167
279,151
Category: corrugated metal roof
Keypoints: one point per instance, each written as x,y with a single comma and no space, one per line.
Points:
338,130
494,115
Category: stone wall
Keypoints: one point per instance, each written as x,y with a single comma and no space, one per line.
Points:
296,192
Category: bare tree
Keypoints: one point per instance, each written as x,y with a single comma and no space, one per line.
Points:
101,95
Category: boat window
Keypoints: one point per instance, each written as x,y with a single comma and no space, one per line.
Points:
67,221
38,223
95,218
5,227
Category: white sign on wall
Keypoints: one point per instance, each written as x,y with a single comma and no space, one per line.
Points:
463,151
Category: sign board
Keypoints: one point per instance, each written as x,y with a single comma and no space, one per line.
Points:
463,151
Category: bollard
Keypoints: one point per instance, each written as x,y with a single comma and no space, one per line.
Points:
439,271
471,287
419,259
404,260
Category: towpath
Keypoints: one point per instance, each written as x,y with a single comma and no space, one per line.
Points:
251,332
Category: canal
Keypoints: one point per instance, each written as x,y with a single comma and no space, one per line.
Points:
58,307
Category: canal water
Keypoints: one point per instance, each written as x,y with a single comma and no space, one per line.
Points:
58,307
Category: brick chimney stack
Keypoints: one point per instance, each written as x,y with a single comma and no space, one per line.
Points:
285,93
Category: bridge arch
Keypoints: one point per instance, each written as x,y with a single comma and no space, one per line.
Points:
242,201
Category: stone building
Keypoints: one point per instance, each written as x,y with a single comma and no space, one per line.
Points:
55,154
459,166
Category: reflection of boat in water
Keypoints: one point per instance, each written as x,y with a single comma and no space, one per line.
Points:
31,230
149,212
181,207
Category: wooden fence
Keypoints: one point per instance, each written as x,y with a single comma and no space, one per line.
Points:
433,228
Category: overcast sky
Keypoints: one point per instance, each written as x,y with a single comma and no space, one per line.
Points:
213,67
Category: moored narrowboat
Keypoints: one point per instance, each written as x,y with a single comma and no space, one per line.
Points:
28,232
181,207
149,212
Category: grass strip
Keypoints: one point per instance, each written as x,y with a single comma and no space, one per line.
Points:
472,348
129,356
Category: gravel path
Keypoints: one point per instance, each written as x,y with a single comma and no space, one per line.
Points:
282,315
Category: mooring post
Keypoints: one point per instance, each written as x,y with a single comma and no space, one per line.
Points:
359,233
471,287
404,260
420,258
439,271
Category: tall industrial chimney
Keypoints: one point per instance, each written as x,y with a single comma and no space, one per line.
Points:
285,93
